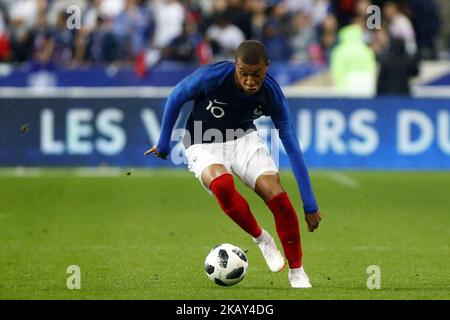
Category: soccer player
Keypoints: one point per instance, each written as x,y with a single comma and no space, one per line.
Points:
222,139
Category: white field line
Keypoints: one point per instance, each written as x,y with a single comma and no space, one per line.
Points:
97,172
50,247
387,248
22,172
343,179
87,172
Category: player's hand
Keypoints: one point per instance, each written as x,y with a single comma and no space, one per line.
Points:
313,220
155,152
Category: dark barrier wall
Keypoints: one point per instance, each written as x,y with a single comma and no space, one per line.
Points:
382,133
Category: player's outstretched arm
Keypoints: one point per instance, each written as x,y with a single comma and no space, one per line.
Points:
153,150
282,121
202,80
292,146
312,212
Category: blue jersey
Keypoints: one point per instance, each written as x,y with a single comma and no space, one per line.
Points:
220,105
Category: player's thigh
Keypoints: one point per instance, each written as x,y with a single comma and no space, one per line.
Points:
206,162
259,164
211,172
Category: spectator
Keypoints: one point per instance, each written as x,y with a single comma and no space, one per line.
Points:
63,39
427,24
353,64
224,38
129,27
89,21
212,7
280,12
183,48
303,38
111,8
88,25
193,11
297,30
400,26
169,19
317,10
258,9
328,35
361,17
54,9
23,16
5,45
344,10
396,66
211,11
305,6
240,17
276,45
102,45
42,41
320,11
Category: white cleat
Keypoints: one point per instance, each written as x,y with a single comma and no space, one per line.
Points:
298,278
271,254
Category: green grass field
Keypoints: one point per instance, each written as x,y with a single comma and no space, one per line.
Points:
146,235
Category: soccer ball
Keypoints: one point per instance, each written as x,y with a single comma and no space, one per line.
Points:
226,264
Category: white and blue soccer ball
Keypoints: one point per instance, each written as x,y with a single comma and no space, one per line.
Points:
226,265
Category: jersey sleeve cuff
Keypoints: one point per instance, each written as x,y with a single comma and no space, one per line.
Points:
310,210
164,151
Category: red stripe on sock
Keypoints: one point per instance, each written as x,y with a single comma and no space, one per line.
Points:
286,223
234,205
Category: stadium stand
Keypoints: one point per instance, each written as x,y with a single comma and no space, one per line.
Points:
157,42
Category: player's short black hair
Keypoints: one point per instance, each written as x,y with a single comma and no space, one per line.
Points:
251,52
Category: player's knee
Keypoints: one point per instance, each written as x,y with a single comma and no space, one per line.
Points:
272,193
212,172
231,202
268,187
268,194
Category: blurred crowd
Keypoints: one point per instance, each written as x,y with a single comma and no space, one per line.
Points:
203,31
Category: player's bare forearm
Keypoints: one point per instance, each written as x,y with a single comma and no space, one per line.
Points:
153,150
313,220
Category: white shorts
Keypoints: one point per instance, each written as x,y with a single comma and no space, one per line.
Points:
247,157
